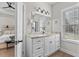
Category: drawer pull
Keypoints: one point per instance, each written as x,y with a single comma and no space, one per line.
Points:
38,48
38,41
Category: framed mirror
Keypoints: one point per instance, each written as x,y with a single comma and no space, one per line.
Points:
40,24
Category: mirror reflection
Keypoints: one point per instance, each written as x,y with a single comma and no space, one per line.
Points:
40,24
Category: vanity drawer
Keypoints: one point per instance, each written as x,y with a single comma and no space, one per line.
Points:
37,47
38,51
38,54
37,40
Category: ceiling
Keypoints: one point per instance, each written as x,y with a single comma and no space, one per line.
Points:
51,3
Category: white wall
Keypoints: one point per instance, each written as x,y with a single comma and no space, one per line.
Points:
56,14
7,20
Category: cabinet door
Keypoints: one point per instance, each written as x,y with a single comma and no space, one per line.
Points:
51,44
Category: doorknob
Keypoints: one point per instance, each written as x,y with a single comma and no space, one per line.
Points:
20,41
16,42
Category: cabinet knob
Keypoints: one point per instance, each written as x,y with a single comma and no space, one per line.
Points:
39,48
50,41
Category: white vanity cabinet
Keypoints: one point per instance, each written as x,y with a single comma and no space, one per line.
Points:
40,46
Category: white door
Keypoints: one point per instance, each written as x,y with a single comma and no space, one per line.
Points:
19,30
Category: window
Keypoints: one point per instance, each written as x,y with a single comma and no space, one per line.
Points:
71,24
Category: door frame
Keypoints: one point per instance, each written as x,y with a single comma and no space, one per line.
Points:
19,16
